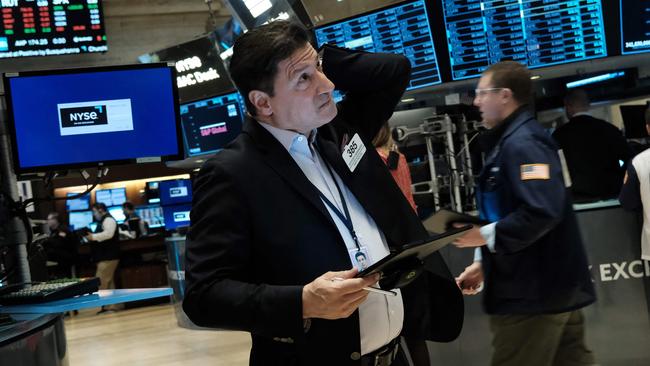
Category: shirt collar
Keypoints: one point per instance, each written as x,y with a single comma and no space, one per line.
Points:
291,140
582,114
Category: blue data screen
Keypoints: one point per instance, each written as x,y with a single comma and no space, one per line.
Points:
402,29
537,33
635,26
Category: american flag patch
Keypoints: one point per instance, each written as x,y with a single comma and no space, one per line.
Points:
535,171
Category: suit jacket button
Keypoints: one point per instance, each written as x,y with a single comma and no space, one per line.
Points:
355,356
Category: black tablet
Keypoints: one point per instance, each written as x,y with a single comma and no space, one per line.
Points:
443,220
418,250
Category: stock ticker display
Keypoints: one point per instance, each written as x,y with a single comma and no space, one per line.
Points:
51,27
635,26
402,29
537,33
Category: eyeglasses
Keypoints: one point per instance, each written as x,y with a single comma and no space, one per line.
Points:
479,93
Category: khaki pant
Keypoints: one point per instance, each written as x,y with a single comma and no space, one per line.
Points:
540,340
106,274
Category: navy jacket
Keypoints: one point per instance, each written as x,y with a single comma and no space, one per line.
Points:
539,265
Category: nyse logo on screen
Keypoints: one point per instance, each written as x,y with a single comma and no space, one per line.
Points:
183,216
178,192
97,116
83,116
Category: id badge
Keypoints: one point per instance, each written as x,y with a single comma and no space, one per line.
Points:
360,258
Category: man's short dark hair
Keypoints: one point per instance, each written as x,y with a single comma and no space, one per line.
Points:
514,76
54,215
257,53
128,205
100,206
577,98
359,254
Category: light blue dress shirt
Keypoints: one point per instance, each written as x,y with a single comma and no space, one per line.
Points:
380,317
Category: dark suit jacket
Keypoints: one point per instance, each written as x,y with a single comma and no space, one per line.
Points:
260,232
593,148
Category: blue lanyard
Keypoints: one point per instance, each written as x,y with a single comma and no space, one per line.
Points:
345,218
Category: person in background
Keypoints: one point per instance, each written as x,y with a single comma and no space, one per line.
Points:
635,194
134,226
595,151
105,248
399,169
531,255
395,161
61,246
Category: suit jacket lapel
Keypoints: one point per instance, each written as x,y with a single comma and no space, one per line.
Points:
366,183
279,159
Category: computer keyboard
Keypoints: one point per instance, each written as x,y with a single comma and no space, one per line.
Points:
47,291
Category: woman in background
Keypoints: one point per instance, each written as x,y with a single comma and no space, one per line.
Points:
396,163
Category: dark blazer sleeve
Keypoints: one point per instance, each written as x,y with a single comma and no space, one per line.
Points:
630,197
373,84
221,292
540,203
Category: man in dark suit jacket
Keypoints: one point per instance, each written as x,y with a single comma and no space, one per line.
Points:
263,243
592,148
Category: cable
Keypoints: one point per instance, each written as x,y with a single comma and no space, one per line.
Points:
30,201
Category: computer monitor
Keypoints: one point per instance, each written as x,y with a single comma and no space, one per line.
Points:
176,191
80,219
66,119
151,214
634,121
537,34
77,204
50,28
210,124
117,213
111,197
402,29
635,27
152,192
177,216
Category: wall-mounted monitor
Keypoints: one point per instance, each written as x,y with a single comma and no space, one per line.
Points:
80,219
151,214
111,197
151,192
635,26
175,191
210,124
535,33
402,29
64,119
79,203
50,28
118,213
177,216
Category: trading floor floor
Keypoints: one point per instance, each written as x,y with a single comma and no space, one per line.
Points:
149,336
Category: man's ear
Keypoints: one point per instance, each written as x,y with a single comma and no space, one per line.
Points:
506,96
261,101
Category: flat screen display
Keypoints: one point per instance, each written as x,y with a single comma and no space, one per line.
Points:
402,29
535,33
